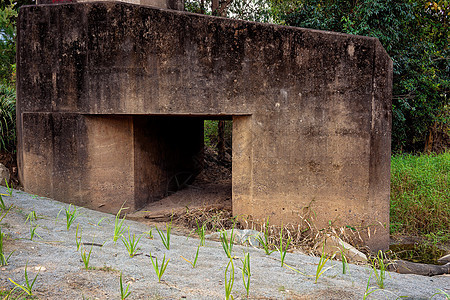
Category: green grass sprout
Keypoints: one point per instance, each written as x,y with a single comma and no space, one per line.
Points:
281,249
264,239
131,243
71,215
33,232
195,258
150,234
320,266
159,270
344,260
246,274
27,287
8,188
201,231
118,225
2,203
369,290
86,256
123,293
229,282
3,258
227,245
380,275
100,222
31,217
165,239
78,237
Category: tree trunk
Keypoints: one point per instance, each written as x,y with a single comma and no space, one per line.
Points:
219,8
214,7
221,140
202,7
429,142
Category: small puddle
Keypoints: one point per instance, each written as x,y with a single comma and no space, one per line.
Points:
418,253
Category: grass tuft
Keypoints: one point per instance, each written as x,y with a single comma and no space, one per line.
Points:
131,243
3,258
27,287
246,274
380,275
86,256
118,226
321,265
71,215
227,244
194,262
159,270
263,238
9,188
165,239
201,231
229,282
282,249
124,293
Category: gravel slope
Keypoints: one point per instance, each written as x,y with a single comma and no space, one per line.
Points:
63,276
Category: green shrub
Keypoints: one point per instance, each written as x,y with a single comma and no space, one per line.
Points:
210,135
420,195
7,118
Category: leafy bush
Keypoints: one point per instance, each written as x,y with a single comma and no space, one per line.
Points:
420,195
7,118
211,133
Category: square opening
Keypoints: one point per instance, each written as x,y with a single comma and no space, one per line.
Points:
190,161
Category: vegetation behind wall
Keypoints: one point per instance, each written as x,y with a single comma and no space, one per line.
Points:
416,36
420,195
7,118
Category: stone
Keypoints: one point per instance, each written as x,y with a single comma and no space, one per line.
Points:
118,107
4,175
246,237
334,245
407,267
444,259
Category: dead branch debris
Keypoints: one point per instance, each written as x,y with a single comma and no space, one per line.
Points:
303,236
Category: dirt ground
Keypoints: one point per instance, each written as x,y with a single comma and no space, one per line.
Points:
9,161
211,189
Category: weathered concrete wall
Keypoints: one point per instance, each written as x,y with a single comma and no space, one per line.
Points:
311,109
97,161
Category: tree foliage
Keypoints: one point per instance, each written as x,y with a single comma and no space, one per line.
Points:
8,17
7,118
7,43
415,34
250,10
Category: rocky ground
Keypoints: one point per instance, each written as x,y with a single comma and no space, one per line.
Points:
62,275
